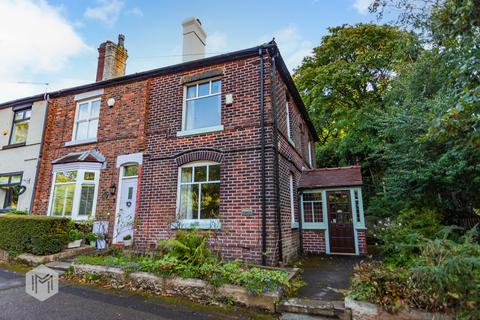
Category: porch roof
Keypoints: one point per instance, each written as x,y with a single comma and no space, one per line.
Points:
331,177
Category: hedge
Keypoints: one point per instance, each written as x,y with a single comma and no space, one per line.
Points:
39,235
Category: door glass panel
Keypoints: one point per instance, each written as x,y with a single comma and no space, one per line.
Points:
130,193
130,171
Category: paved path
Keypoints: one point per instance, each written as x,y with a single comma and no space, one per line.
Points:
327,276
81,302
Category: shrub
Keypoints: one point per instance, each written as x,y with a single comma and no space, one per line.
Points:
188,246
91,237
17,212
40,235
75,234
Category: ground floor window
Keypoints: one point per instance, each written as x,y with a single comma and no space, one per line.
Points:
312,207
199,191
10,189
74,193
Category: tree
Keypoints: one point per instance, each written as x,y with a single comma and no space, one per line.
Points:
343,86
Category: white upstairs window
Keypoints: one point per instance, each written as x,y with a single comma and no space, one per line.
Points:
86,120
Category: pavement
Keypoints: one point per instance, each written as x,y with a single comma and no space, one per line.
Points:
327,277
85,302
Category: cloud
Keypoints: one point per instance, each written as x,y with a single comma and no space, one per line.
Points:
362,5
34,39
216,42
292,44
137,12
106,11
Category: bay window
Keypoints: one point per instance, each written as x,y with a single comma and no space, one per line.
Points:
74,193
199,194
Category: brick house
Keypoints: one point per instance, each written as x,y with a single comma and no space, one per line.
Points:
221,143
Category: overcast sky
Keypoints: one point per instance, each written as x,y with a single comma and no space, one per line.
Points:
56,41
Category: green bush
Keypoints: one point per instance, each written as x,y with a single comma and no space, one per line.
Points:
17,212
39,235
75,234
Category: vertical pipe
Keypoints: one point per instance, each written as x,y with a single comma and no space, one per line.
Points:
262,143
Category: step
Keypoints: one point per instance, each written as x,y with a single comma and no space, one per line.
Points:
300,316
59,265
325,309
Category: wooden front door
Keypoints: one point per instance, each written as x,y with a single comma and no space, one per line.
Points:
340,223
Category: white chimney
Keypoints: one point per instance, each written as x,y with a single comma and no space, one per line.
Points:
194,39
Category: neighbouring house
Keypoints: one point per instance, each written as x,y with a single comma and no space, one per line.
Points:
222,143
21,126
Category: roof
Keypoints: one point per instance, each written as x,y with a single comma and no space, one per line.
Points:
331,177
271,47
84,156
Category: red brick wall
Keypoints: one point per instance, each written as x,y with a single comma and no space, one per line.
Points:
120,131
314,241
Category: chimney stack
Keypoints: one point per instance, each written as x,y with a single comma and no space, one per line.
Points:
194,39
112,59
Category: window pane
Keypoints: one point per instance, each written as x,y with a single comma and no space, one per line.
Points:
82,131
63,200
188,202
204,112
186,174
214,172
86,200
19,115
307,212
66,176
130,171
89,176
317,212
191,91
92,129
216,86
204,89
200,173
15,179
4,179
210,201
28,114
20,132
312,196
95,109
83,111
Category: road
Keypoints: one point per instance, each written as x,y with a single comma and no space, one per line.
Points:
83,302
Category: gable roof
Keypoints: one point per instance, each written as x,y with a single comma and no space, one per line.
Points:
271,47
83,156
331,177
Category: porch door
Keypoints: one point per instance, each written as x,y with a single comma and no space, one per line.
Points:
126,209
340,223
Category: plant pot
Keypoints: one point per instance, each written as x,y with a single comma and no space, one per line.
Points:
101,244
74,244
128,243
93,244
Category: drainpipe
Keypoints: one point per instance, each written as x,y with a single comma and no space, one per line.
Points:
276,170
262,143
37,171
300,219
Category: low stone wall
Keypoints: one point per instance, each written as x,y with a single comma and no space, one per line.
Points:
193,289
4,256
362,310
32,259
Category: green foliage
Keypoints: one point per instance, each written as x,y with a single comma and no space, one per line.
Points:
75,234
91,237
188,246
40,235
127,237
18,212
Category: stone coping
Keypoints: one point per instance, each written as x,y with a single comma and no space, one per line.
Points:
65,254
362,310
193,289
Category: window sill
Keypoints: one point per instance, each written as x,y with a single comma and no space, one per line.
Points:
192,132
291,142
15,145
294,225
212,224
314,226
80,142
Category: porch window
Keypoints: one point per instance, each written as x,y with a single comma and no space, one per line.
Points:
21,120
357,205
199,193
86,120
9,184
74,194
312,207
202,105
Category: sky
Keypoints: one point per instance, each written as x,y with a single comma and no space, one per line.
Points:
55,42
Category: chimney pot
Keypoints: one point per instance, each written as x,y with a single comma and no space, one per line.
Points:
121,39
194,39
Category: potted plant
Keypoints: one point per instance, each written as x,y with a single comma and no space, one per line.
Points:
101,241
92,239
127,240
75,237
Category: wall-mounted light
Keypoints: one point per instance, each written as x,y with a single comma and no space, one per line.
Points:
110,102
113,189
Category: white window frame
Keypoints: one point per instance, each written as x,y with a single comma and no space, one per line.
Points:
292,201
310,162
219,127
289,125
78,189
194,223
75,140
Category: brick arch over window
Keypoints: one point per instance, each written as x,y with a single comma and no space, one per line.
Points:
199,155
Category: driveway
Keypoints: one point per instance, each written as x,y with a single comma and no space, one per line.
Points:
82,302
327,277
